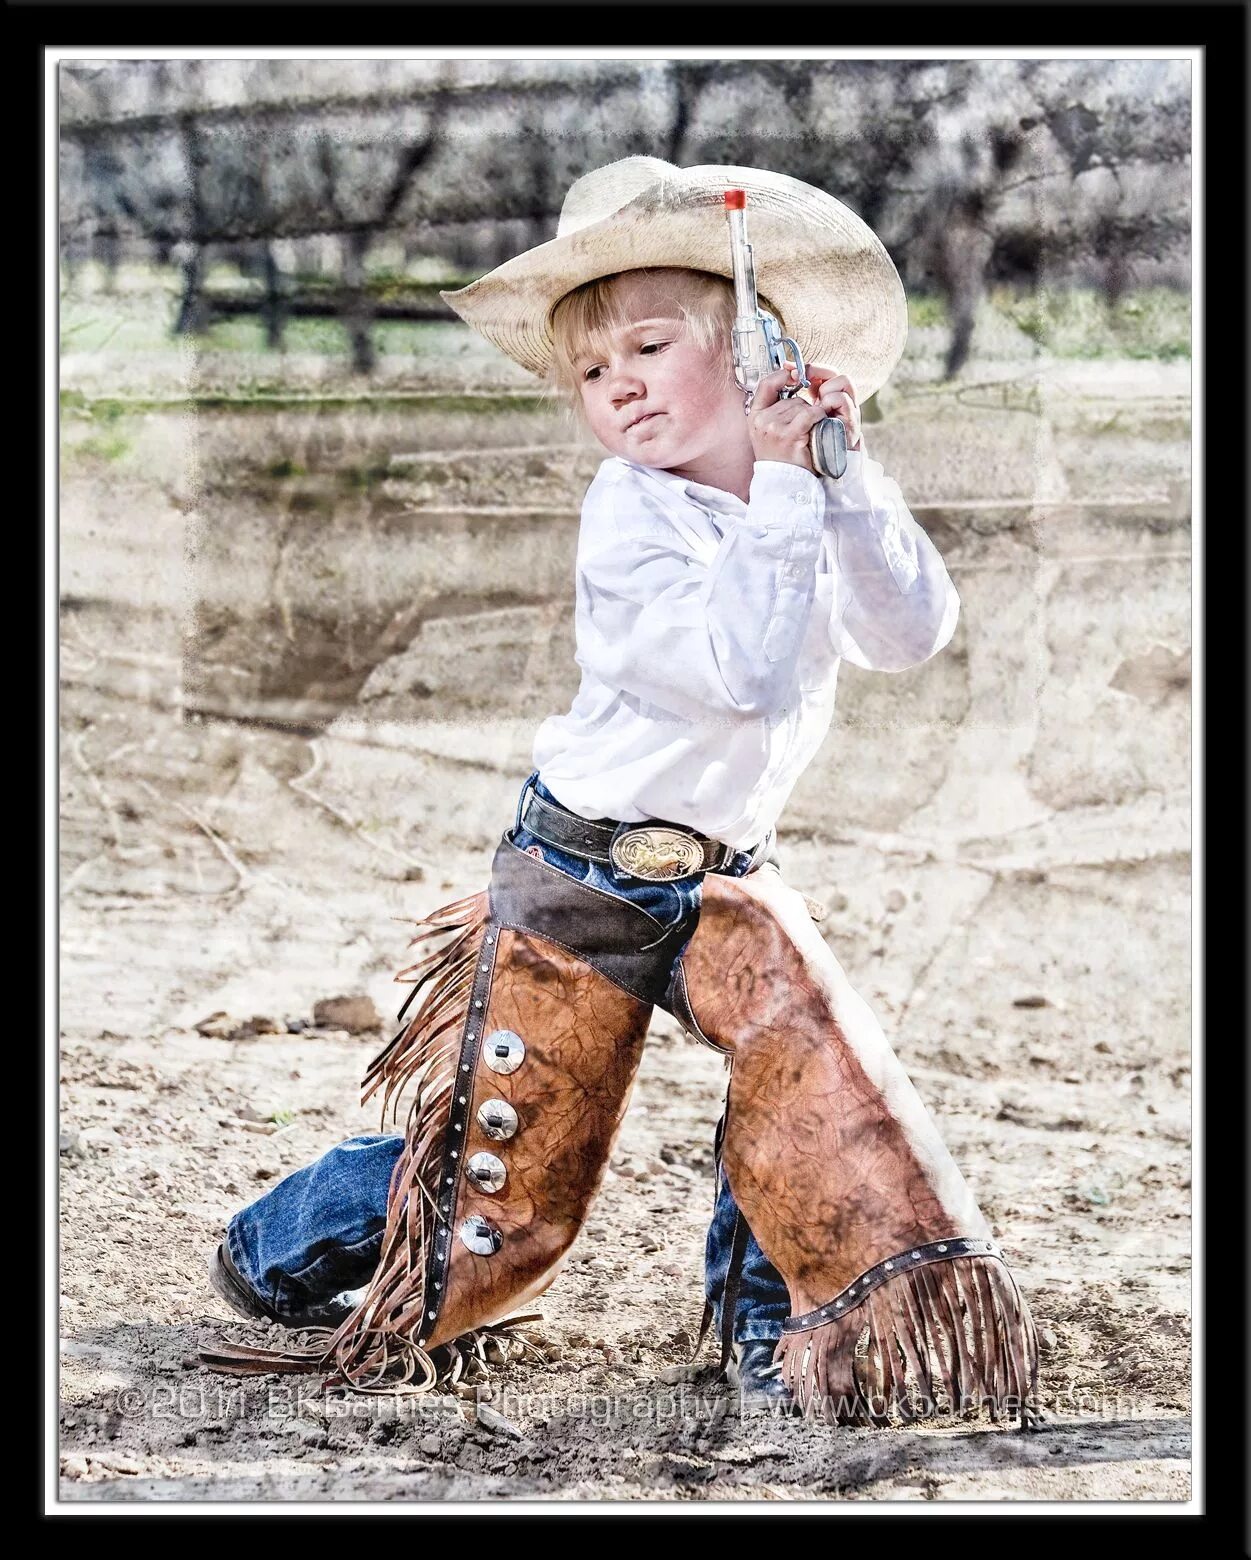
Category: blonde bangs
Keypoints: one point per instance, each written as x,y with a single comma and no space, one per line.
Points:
584,319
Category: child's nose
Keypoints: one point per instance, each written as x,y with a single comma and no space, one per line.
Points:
625,386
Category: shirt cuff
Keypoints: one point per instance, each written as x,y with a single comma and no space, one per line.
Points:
782,493
853,490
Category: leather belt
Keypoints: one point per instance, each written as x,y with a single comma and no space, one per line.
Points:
653,850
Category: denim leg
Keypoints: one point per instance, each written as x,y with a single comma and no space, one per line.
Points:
319,1231
763,1302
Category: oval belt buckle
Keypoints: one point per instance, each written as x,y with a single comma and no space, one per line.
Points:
655,853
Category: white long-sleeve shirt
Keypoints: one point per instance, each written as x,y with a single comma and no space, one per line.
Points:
709,633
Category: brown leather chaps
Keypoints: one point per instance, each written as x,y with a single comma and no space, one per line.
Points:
517,1064
897,1286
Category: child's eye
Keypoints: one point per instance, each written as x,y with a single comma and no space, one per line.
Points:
593,372
654,346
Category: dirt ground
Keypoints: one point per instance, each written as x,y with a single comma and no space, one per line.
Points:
1002,840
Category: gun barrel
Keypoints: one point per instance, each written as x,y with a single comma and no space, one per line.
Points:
740,255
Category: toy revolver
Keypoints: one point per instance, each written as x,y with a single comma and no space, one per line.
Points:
760,346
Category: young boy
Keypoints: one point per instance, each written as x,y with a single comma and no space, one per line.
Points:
719,583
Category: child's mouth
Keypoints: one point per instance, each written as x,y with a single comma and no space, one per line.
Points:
639,421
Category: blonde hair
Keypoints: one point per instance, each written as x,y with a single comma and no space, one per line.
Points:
583,319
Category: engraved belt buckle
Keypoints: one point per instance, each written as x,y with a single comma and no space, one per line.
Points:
656,853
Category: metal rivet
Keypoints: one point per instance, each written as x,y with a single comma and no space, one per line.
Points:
889,1265
503,1051
437,1285
455,1153
915,1255
432,1314
486,1172
465,1068
480,1237
421,1343
497,1119
484,966
450,1179
457,1125
478,1002
462,1099
942,1248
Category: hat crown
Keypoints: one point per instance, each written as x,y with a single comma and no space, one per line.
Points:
603,191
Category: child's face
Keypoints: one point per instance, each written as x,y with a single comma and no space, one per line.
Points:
655,396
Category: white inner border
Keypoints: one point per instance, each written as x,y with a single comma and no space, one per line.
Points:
53,57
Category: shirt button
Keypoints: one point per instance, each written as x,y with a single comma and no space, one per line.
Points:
802,498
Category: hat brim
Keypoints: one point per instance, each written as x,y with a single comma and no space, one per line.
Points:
819,264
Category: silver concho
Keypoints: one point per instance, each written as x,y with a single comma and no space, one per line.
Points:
497,1119
503,1051
486,1172
656,854
483,1239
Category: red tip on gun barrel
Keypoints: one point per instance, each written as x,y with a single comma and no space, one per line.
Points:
735,200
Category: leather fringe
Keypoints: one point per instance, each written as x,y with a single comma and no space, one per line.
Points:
941,1339
378,1347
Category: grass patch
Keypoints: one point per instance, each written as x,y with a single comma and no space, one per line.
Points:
925,311
1080,322
106,446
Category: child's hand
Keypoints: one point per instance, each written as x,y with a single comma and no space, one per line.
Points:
779,429
836,398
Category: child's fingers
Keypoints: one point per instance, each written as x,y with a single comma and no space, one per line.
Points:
770,388
821,376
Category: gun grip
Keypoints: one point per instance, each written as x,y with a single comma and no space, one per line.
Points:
827,444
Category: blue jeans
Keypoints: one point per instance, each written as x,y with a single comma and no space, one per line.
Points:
318,1232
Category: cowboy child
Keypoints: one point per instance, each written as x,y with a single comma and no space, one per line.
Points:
719,583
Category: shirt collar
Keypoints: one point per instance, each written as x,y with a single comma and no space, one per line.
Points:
700,493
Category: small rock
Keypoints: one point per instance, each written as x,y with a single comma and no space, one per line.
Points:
650,1244
356,1014
414,874
71,1143
895,901
1030,1002
264,1172
296,1026
491,1419
260,1024
217,1026
816,909
613,1357
1103,1047
1047,1340
74,1467
430,1445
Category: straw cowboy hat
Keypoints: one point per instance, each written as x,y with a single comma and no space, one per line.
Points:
819,267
